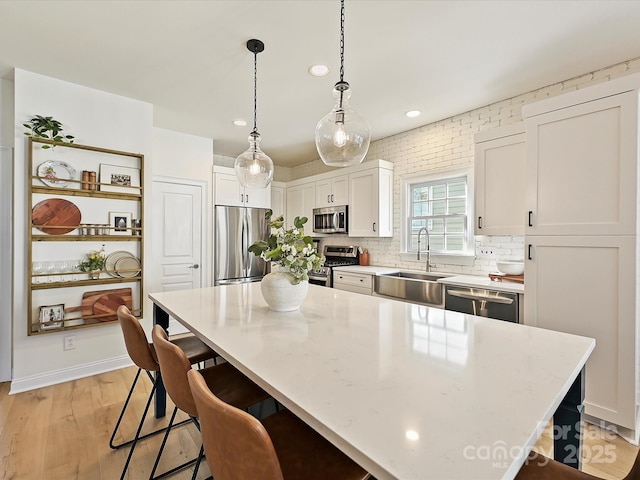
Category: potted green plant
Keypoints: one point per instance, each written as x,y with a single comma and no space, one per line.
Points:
93,263
286,286
47,127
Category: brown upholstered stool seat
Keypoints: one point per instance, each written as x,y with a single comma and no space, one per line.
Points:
544,468
143,355
195,350
224,379
539,467
304,453
239,447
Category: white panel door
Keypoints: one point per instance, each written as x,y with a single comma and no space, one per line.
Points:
177,238
586,286
581,168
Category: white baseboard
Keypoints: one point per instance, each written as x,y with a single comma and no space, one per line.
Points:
73,373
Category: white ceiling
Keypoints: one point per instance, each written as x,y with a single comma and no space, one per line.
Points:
189,59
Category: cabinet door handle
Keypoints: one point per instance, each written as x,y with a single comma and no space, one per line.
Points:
530,215
246,197
374,226
328,198
479,223
242,198
332,198
529,253
362,280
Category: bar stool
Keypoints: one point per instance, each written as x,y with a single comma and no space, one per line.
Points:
282,447
539,467
224,379
144,357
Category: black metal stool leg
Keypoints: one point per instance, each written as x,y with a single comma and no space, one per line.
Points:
164,441
136,437
124,408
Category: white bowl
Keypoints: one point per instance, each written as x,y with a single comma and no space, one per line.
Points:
510,267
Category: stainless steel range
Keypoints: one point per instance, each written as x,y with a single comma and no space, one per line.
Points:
335,256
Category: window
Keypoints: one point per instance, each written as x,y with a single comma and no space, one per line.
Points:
441,205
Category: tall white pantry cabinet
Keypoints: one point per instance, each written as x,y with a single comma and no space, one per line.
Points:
581,230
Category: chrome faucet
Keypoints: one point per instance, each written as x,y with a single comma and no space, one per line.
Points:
424,229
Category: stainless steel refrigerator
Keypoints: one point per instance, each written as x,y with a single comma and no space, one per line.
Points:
236,228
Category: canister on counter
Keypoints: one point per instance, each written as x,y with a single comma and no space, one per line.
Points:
364,258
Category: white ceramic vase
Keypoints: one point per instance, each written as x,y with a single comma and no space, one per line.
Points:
280,294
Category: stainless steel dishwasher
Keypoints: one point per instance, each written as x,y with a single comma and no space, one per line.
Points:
482,302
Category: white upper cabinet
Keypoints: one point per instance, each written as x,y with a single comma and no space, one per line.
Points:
300,203
332,191
581,167
278,198
229,191
499,181
371,203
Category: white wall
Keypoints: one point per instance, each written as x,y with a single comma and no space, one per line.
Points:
94,118
445,145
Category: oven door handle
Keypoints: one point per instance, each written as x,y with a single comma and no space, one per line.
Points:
476,296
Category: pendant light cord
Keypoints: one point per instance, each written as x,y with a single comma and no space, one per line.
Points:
255,91
341,41
341,89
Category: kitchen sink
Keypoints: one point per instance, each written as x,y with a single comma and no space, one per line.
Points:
432,277
414,287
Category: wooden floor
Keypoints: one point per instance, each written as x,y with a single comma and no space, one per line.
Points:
62,432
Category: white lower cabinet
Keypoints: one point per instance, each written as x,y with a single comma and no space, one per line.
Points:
353,282
587,286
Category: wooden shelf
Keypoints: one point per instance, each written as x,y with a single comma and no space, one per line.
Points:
82,302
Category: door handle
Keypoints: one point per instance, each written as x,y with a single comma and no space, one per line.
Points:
479,223
195,266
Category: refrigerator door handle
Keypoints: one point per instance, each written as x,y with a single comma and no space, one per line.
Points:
245,243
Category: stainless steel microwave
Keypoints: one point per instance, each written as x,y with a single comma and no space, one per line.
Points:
330,219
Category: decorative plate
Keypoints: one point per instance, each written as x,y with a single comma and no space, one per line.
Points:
54,173
128,267
112,259
56,216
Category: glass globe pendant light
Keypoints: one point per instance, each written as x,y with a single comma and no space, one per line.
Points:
253,167
343,135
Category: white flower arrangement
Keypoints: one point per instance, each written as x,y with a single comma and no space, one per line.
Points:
289,248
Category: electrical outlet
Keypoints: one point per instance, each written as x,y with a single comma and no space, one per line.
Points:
69,342
486,252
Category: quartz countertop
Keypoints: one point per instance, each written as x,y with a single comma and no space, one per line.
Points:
476,281
405,390
368,269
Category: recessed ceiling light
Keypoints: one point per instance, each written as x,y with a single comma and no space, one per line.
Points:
413,113
318,70
412,435
240,123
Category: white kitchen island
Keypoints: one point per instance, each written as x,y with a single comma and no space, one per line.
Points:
407,391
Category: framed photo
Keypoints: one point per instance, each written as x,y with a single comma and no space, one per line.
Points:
119,223
51,316
115,178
